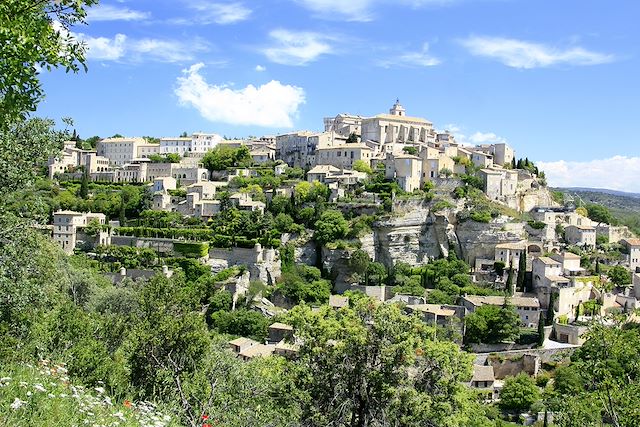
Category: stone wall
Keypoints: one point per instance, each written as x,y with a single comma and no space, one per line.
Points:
164,246
478,240
511,365
547,355
263,263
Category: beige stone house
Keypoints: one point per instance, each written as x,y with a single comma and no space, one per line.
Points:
527,307
581,235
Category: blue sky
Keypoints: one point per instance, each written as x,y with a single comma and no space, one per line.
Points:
556,79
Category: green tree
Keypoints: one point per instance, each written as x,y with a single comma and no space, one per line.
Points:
599,213
519,393
243,322
509,283
597,387
35,36
167,342
359,261
24,147
362,166
84,186
492,324
330,227
222,158
522,271
363,365
413,151
551,310
541,323
619,275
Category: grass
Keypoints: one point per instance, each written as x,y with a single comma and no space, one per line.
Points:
42,396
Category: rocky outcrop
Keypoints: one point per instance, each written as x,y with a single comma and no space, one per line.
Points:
478,240
409,236
414,234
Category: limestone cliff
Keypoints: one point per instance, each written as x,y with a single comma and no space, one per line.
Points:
417,231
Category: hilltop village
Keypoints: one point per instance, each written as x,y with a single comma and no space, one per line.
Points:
383,206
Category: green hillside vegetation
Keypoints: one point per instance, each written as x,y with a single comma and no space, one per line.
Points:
624,210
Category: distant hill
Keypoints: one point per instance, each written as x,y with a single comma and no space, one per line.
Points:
614,200
600,190
625,207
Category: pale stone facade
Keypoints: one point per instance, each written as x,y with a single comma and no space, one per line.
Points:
527,307
581,235
122,150
632,246
68,224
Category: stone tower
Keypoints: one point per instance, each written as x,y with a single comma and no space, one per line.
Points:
397,109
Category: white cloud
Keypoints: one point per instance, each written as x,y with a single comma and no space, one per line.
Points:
123,48
270,105
350,10
486,138
260,68
476,138
413,59
297,48
616,173
104,48
523,54
209,12
114,13
360,10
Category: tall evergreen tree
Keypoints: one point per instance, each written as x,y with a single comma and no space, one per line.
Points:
509,284
122,217
551,310
522,271
84,185
541,322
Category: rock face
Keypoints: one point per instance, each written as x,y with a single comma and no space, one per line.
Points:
409,236
478,240
416,233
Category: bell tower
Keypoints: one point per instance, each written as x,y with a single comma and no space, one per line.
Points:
397,109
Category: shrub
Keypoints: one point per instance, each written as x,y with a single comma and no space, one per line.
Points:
480,216
194,250
537,225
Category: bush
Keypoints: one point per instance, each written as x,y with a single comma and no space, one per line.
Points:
537,225
193,250
519,393
480,216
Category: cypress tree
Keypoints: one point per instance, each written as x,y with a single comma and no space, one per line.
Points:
122,217
541,322
513,163
84,186
597,266
522,270
509,284
551,310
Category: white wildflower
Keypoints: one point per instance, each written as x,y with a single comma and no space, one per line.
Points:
63,395
107,400
99,389
17,403
39,387
51,396
5,379
29,394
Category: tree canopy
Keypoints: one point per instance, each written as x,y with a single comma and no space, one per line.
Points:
35,35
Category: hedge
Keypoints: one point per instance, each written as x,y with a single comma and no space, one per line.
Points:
195,249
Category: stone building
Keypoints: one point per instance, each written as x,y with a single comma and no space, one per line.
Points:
68,228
